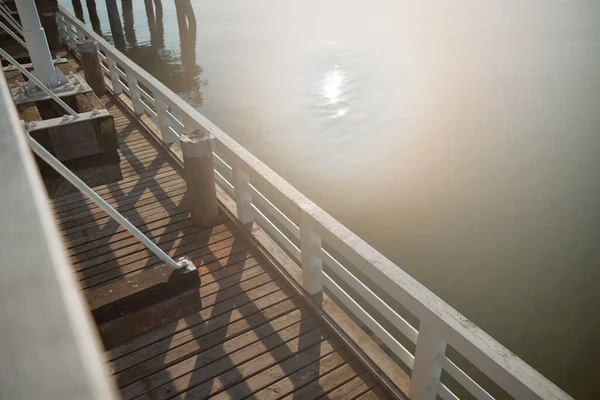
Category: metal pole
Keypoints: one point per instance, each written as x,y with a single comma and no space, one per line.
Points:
39,52
39,84
14,35
75,181
11,20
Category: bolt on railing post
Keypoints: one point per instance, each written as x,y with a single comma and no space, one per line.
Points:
427,368
312,265
114,75
243,196
135,93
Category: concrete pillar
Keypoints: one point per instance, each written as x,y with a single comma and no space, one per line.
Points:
39,52
200,178
88,54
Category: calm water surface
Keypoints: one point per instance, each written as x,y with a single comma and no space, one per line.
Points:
461,140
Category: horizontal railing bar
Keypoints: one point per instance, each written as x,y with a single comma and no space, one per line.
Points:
276,233
445,393
223,165
465,380
146,96
405,356
38,83
257,197
83,188
381,306
175,120
148,110
224,184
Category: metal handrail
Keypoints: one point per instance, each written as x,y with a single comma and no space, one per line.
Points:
5,12
38,83
14,35
83,188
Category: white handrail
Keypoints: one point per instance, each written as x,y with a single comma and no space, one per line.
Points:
14,35
5,12
440,325
83,188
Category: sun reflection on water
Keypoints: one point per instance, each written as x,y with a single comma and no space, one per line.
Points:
333,89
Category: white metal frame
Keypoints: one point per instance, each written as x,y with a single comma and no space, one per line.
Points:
263,197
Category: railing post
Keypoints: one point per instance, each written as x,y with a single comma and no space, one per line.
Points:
163,119
114,75
243,196
200,178
428,364
312,265
135,93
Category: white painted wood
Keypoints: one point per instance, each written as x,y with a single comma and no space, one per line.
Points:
312,265
49,347
243,195
114,75
224,184
226,170
465,380
445,393
270,210
428,363
391,342
134,94
273,231
163,120
504,368
366,293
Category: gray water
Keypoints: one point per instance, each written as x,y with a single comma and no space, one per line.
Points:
460,139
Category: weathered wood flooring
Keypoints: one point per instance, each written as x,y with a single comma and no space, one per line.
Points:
232,329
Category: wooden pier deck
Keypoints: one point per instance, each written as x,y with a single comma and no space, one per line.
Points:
232,329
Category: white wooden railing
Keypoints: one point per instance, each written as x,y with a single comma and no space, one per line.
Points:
311,237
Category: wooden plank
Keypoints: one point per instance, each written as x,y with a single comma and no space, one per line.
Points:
29,112
376,393
200,256
354,388
238,320
278,362
95,235
114,190
197,341
328,382
83,224
118,331
195,375
222,241
244,303
302,377
143,198
138,251
252,381
124,238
